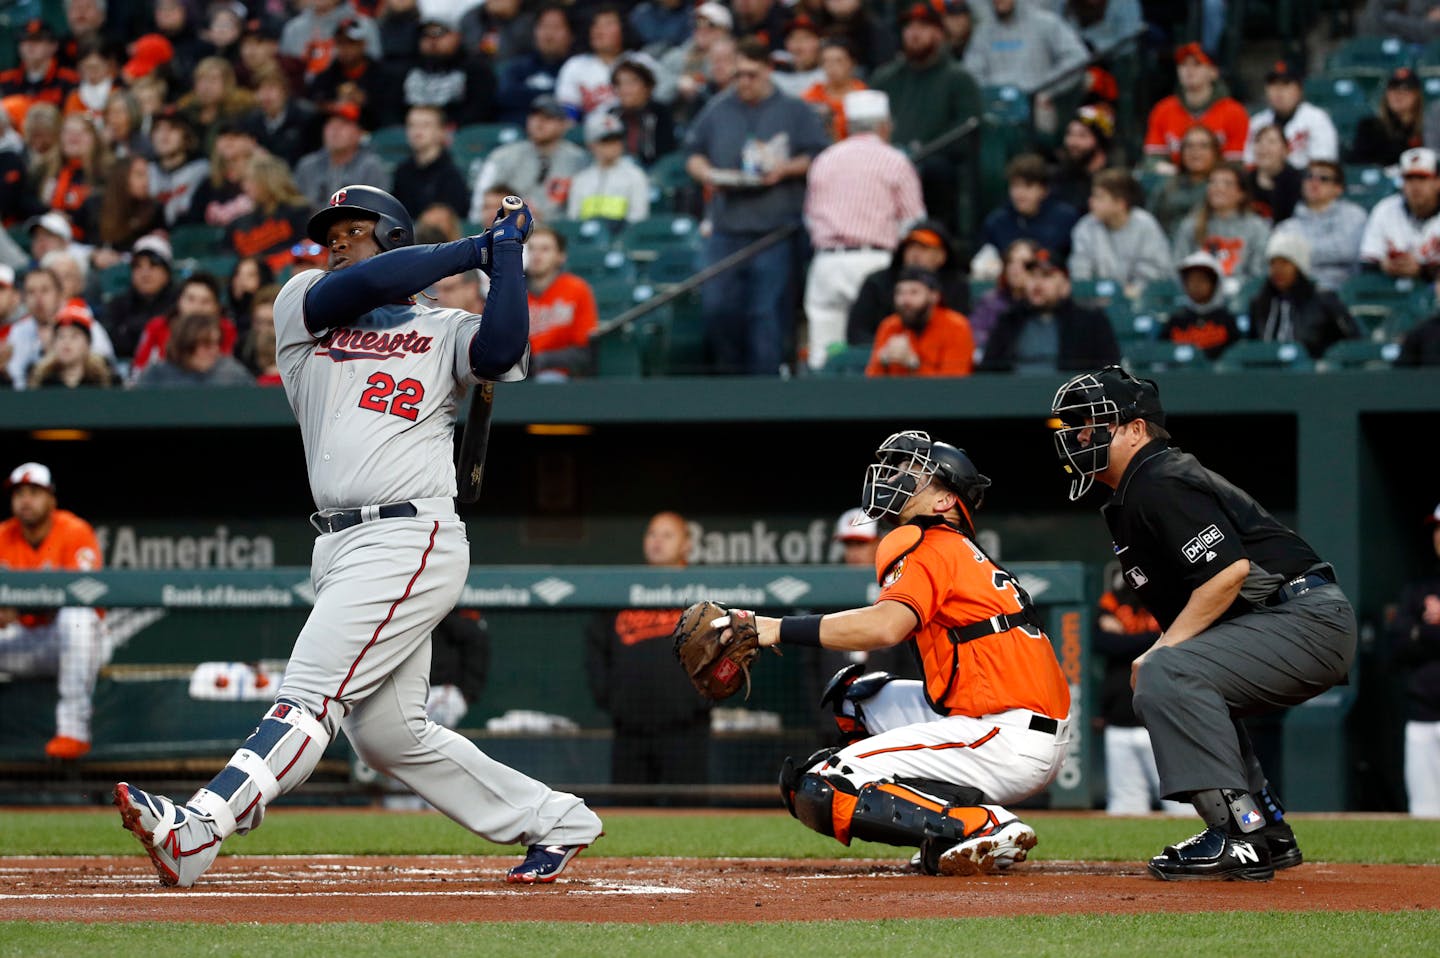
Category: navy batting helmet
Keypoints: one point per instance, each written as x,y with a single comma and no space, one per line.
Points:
393,225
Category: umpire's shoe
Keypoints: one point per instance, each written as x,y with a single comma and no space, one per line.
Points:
1213,855
1284,849
181,843
543,864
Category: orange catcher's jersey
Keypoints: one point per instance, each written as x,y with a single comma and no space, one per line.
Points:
71,545
950,583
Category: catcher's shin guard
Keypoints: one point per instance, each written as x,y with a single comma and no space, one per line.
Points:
278,756
894,813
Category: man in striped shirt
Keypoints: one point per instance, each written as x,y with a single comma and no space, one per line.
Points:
860,195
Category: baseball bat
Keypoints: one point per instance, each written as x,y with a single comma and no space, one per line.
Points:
475,440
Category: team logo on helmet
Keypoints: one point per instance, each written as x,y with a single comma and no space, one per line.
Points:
339,197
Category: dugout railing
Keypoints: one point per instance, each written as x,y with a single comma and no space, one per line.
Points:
160,719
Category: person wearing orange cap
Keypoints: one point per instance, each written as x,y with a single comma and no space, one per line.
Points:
69,362
148,53
69,643
1201,100
341,159
928,245
39,78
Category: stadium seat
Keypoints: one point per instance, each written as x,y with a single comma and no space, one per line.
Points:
219,265
1258,354
390,144
115,280
1146,355
1390,304
673,264
669,181
847,361
478,139
1008,104
1347,99
591,262
662,230
1358,354
196,239
1158,299
583,232
1375,56
978,289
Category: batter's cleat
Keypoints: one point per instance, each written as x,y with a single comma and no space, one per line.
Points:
543,864
993,850
1284,849
66,748
181,844
1213,855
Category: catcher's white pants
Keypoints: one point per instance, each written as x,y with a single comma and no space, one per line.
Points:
833,283
999,754
1132,783
73,648
1422,768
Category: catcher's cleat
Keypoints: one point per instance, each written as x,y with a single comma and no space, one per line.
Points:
66,749
1284,849
543,864
180,842
1213,855
995,850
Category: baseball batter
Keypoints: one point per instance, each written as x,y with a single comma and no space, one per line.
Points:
374,379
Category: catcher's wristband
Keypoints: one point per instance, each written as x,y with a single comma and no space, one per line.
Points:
800,630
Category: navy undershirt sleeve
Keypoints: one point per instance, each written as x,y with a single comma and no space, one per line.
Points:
343,296
500,341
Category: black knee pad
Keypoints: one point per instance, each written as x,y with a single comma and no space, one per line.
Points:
814,801
791,772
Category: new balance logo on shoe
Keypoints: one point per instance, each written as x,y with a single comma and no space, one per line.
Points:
1244,852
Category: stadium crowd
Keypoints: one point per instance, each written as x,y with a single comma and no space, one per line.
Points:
158,164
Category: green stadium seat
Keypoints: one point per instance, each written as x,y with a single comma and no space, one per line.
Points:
1008,104
115,280
1427,64
1377,56
1158,298
674,264
668,180
590,262
685,351
979,288
1391,303
583,232
475,141
390,143
21,236
661,231
196,239
1258,354
847,361
1367,185
219,265
1148,355
1358,354
1347,99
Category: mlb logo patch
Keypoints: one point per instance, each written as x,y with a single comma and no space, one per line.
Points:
1136,578
1250,818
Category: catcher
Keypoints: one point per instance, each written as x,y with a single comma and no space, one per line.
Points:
928,763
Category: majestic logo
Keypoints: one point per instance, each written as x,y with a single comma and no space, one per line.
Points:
345,344
552,590
1202,546
788,588
339,197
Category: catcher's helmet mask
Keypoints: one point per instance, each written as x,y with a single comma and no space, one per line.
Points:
1090,407
907,463
393,226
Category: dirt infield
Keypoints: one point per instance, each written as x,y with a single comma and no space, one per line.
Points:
450,888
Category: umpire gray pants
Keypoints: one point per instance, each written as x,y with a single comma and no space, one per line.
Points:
1192,696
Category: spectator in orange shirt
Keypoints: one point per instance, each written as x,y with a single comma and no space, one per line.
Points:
68,643
837,63
1200,100
562,308
921,338
39,77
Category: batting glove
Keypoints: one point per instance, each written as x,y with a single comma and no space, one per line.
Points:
512,225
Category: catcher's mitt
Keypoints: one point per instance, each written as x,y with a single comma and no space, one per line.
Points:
716,670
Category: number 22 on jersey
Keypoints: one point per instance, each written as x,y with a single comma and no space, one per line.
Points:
385,395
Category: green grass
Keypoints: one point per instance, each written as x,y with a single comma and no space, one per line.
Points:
1313,934
638,834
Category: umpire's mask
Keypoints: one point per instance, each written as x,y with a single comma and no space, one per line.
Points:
1088,407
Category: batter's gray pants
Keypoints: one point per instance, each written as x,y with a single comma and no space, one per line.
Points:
1192,696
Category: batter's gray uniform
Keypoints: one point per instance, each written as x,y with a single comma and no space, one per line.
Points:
376,401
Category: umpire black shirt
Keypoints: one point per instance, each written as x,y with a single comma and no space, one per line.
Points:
1176,524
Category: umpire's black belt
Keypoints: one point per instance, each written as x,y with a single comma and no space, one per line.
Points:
345,518
1300,585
